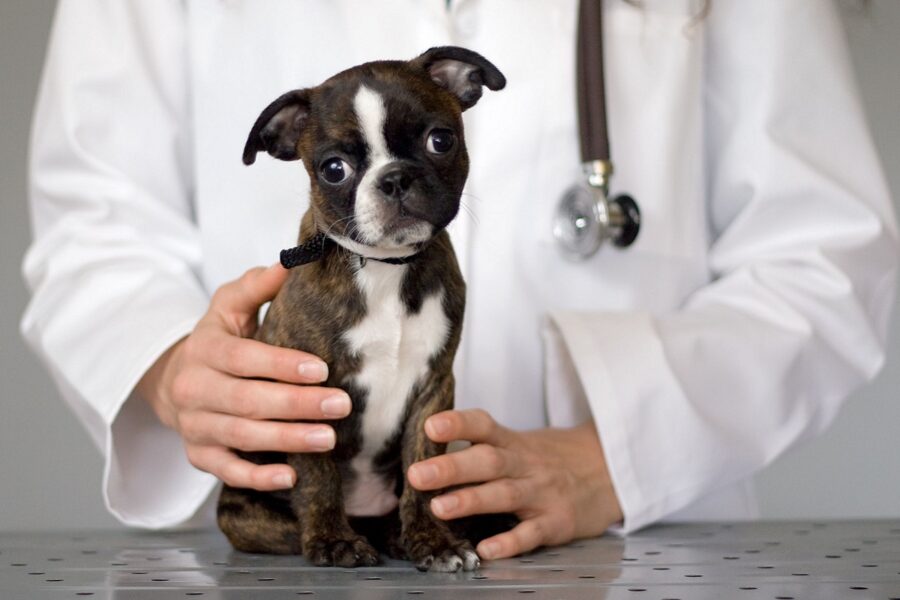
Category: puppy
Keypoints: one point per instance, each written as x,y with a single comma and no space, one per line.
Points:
377,294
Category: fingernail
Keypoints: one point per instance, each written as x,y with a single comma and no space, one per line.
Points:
336,406
321,438
488,549
314,370
444,504
283,480
438,426
425,473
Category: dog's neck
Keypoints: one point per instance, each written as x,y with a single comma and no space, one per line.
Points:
315,248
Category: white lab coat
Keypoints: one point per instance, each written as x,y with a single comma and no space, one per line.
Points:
754,300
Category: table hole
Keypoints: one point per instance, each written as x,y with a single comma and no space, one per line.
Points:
693,575
479,577
54,559
265,579
36,573
415,592
660,568
731,557
765,567
158,579
832,556
851,549
751,551
557,570
373,578
653,553
858,587
154,558
586,577
629,560
139,572
18,564
118,564
748,587
800,574
869,566
773,543
89,552
784,598
637,589
526,591
54,580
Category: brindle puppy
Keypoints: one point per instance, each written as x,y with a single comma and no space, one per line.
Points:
381,302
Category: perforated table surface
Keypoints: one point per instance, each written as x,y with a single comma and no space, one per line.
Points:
775,560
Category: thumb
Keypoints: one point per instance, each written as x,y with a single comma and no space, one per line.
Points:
253,289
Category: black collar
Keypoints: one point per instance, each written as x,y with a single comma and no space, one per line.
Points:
315,247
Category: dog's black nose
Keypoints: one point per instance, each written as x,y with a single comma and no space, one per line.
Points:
395,183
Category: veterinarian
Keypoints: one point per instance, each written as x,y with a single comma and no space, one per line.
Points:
641,384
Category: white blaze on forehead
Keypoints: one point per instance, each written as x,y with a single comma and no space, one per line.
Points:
371,114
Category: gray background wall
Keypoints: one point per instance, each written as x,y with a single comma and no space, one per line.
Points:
50,472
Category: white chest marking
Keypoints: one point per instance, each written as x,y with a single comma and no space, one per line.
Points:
395,348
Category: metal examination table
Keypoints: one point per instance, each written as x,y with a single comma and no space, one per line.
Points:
770,560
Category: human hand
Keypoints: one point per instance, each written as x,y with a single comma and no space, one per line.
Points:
221,390
554,480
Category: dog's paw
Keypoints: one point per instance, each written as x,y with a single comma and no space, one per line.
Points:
341,552
445,556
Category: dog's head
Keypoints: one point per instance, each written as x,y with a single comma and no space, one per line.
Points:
383,145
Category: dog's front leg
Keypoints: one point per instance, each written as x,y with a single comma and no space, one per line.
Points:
326,538
428,541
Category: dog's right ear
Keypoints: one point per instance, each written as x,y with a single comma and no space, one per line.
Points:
277,129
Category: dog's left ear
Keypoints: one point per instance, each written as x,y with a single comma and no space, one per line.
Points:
461,72
277,129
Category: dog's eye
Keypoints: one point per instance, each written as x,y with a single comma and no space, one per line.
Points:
440,141
336,170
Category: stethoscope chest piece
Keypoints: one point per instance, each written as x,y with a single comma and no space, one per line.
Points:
586,218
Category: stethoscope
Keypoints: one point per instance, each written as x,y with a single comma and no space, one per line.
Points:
586,216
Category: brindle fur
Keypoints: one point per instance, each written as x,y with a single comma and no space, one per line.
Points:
320,301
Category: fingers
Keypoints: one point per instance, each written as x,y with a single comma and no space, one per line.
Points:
481,462
499,496
215,429
474,425
244,357
207,390
237,472
524,537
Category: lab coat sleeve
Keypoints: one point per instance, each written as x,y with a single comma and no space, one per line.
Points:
802,262
114,262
